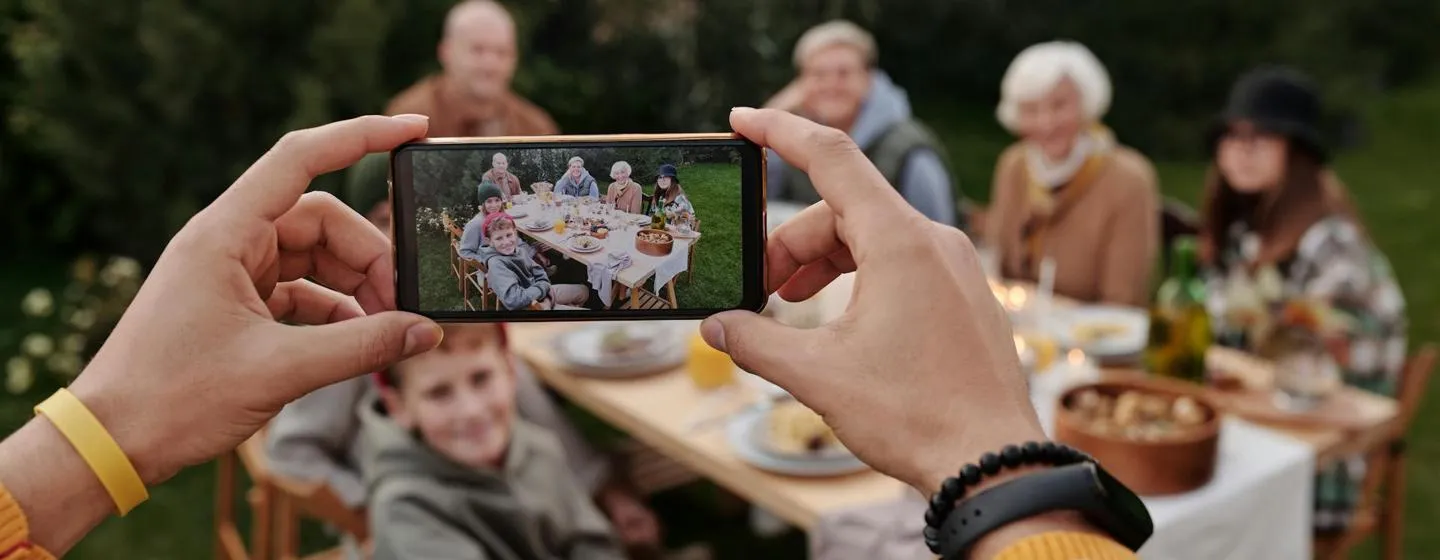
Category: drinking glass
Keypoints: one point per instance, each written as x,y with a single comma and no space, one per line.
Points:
1305,374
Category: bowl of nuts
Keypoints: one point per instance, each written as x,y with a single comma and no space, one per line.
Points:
1157,437
654,242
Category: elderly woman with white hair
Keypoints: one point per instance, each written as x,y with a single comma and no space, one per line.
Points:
577,181
624,193
1067,191
840,86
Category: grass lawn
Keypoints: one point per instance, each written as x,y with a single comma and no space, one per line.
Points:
1392,180
714,190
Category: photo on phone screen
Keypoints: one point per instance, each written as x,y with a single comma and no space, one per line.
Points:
575,228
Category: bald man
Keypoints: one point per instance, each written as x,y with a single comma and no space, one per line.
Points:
471,95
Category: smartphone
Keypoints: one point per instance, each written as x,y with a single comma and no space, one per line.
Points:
575,228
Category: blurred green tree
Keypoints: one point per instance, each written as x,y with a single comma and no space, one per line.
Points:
118,110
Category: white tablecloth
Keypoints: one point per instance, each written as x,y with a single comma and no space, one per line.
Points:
1257,506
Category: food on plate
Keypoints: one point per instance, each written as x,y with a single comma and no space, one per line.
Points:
1138,415
796,429
584,243
537,223
1089,333
600,233
627,342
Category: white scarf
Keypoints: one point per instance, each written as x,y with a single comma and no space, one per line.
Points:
1053,174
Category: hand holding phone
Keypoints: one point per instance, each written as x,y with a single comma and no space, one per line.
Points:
636,227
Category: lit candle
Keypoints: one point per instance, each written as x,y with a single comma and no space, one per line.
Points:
1019,345
1079,368
1017,297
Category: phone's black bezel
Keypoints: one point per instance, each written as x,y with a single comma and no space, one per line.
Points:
753,225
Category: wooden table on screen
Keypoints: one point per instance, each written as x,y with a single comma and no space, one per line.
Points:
655,409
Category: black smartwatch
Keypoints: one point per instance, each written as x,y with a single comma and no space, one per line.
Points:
1082,487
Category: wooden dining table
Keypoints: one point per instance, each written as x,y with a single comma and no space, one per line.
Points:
654,410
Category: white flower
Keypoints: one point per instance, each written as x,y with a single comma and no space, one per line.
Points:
18,375
64,364
37,345
73,344
82,319
38,303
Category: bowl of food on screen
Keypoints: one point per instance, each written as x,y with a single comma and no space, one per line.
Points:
654,242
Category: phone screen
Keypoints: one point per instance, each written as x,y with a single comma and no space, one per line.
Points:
572,229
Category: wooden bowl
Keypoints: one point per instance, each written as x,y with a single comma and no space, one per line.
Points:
1175,464
654,249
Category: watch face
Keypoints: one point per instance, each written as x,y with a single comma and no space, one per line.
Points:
1121,500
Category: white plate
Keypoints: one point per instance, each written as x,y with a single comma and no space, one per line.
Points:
1132,341
595,246
531,227
746,433
579,351
517,213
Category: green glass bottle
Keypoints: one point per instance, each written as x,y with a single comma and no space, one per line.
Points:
657,213
1179,323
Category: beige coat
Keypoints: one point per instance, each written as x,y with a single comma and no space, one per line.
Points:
1103,231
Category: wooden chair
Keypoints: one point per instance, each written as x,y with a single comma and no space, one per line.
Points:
1383,514
277,504
465,269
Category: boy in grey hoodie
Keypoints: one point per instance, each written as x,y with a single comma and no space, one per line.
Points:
453,472
513,274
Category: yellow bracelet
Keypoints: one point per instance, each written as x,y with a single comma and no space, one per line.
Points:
98,449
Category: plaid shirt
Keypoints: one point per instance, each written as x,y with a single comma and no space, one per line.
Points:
1334,261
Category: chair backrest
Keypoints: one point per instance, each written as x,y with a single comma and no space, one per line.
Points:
1414,380
1176,219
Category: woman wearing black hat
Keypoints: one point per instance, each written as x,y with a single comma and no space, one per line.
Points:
1278,225
669,195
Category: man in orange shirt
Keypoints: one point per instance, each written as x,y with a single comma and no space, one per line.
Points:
471,95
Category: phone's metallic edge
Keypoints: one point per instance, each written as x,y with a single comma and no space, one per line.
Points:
580,138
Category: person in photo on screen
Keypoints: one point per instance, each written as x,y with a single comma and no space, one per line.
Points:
517,280
472,96
473,237
499,173
624,193
577,181
670,196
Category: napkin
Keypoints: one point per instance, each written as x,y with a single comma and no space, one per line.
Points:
892,529
602,275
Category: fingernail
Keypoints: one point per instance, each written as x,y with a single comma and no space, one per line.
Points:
741,109
412,117
714,334
423,337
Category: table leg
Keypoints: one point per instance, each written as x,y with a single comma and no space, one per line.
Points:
635,297
670,290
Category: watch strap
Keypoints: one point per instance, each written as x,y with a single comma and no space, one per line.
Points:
1081,487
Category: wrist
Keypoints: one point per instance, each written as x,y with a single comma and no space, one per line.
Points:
123,421
998,540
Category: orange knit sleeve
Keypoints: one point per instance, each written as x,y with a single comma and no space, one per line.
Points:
1066,546
15,532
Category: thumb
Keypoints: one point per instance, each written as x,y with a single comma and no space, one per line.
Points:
327,354
759,345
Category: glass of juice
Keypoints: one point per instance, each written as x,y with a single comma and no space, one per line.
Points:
708,368
560,226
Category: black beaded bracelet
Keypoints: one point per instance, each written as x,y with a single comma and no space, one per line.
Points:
1011,456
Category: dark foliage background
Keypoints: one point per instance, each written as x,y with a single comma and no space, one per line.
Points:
449,178
114,110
